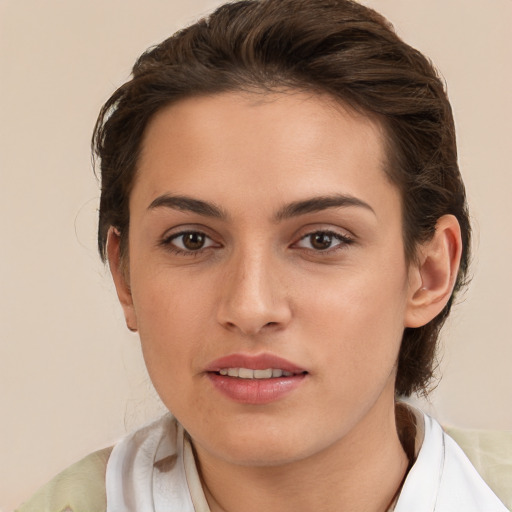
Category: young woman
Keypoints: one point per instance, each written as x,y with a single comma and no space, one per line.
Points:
286,226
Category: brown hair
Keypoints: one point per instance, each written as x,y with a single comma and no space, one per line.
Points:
337,47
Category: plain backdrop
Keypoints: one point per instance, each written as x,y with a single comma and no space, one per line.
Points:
71,376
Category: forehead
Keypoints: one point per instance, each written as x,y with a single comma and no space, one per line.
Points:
238,143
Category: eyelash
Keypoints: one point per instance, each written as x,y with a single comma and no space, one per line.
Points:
167,242
343,240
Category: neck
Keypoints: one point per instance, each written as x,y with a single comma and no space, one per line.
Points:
361,472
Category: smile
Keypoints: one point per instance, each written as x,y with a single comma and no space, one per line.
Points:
248,373
255,379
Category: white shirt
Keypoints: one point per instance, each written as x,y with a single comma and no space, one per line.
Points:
443,479
153,470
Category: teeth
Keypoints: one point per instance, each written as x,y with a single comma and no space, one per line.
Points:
263,374
245,373
248,373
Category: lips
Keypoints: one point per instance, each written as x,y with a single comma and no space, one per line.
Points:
249,373
255,380
254,362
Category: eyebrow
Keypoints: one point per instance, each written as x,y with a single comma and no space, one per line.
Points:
317,204
294,209
188,204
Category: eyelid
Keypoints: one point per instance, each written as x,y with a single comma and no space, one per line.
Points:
179,231
344,238
177,236
319,227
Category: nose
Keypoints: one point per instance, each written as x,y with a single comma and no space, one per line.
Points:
253,298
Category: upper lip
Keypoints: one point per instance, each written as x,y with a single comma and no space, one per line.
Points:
254,362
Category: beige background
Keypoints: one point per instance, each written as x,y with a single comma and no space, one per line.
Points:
71,376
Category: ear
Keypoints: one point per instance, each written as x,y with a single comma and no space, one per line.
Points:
432,278
121,277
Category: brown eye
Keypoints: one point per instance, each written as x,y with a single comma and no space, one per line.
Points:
193,241
189,242
321,241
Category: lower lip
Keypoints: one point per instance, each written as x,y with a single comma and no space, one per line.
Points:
255,391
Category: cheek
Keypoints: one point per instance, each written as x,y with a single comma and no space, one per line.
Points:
359,321
172,324
167,300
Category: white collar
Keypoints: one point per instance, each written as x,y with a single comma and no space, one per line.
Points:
443,479
153,470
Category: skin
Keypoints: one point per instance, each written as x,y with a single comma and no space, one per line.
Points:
260,285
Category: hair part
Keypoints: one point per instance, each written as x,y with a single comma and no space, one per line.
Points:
338,47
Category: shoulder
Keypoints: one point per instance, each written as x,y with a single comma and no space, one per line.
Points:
79,488
490,452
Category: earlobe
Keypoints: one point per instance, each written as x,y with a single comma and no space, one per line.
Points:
432,279
120,277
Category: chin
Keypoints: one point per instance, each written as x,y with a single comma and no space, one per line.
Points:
257,455
260,447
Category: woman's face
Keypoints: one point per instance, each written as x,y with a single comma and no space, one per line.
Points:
267,275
